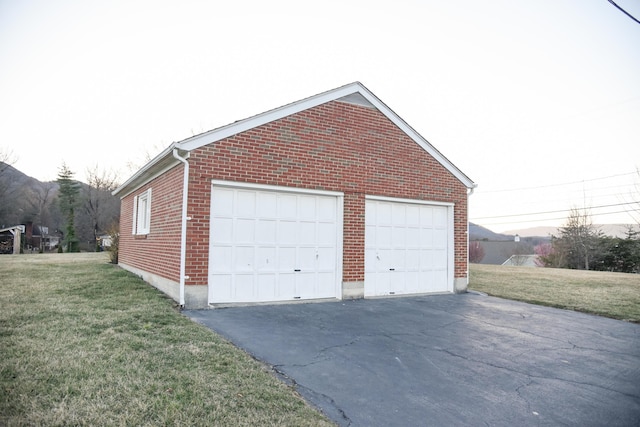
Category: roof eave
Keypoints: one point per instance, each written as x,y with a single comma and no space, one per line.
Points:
161,162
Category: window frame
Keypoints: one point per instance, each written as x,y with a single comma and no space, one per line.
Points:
142,213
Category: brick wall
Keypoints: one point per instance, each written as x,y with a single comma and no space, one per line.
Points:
159,251
337,147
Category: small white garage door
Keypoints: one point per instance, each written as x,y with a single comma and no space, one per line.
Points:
408,247
273,244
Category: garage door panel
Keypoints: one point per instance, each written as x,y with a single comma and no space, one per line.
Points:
287,206
399,237
398,259
265,259
266,286
267,206
439,258
383,214
269,245
286,259
440,218
306,208
412,282
243,259
224,230
385,259
288,232
326,259
398,216
412,260
326,207
224,203
383,236
413,237
244,231
326,234
243,287
246,204
426,217
306,285
221,258
426,258
286,286
224,288
306,233
406,247
266,231
306,259
413,215
426,237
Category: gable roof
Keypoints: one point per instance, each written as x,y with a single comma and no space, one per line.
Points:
355,93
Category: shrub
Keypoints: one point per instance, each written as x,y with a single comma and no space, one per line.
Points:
114,234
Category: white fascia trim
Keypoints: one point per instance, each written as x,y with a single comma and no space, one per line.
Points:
265,187
142,183
414,201
167,153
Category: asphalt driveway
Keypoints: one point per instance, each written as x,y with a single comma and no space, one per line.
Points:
449,360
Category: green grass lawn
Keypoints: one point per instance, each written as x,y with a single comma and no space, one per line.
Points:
83,342
615,295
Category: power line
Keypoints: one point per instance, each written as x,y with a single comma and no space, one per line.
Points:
552,212
623,11
550,219
505,190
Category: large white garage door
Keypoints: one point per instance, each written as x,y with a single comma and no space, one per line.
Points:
272,244
408,247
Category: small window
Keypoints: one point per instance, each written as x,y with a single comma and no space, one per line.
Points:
142,213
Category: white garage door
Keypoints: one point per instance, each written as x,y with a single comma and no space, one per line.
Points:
272,244
408,247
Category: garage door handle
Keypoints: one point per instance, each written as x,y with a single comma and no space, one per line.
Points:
296,270
392,269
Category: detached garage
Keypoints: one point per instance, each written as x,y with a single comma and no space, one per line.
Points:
333,196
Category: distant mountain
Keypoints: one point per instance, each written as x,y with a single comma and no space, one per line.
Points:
14,180
478,232
613,230
541,231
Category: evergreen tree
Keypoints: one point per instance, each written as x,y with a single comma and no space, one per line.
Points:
68,195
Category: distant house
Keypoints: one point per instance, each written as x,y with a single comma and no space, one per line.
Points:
11,239
332,196
38,237
522,261
498,252
105,241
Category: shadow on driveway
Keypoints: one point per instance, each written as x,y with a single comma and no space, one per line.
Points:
449,360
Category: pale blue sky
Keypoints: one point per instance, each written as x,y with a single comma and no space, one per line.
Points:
517,94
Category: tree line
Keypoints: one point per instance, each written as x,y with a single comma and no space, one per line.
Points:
79,213
581,245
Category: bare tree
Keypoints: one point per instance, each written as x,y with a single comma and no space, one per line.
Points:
476,252
39,198
578,239
7,159
101,208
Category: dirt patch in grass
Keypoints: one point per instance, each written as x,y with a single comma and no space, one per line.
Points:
83,342
615,295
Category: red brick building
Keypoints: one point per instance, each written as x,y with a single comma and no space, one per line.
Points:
333,196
